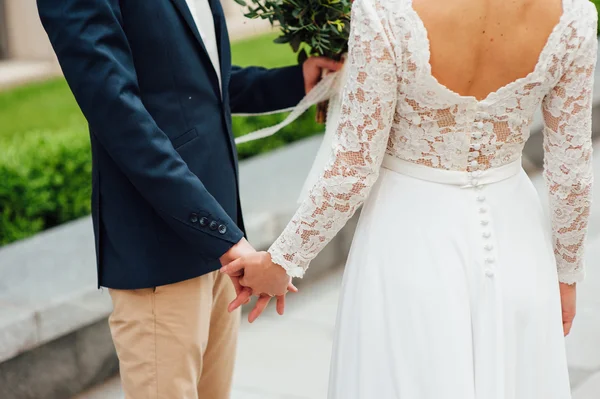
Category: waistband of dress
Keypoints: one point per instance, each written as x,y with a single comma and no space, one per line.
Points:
464,179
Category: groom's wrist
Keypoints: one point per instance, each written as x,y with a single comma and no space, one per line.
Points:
237,250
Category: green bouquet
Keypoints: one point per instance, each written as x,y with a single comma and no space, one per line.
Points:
310,27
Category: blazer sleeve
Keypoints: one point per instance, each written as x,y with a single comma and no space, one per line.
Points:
255,90
93,51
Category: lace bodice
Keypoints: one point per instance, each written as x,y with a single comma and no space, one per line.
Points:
392,105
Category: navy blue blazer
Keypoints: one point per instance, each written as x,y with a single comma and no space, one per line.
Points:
165,200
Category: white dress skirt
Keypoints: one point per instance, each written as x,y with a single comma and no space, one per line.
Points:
450,291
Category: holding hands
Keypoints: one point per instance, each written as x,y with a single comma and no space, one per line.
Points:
253,273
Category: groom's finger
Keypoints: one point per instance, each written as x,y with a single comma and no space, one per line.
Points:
239,273
242,299
233,268
236,284
261,305
328,63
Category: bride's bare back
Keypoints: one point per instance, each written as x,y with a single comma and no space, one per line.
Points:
478,46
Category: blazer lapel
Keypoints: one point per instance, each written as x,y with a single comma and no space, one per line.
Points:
225,61
184,10
222,43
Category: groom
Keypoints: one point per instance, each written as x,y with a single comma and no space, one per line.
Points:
154,80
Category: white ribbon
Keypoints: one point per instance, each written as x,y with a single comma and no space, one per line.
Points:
329,88
324,90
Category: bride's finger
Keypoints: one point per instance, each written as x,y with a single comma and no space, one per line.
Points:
281,304
292,288
567,327
242,299
261,305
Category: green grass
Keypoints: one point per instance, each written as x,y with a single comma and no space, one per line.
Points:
262,51
47,106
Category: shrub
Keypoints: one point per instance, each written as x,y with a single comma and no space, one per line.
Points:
46,181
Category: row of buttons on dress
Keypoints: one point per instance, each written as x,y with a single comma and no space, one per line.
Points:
474,174
205,222
476,146
487,236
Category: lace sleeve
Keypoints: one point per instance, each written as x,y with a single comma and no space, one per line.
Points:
368,105
568,154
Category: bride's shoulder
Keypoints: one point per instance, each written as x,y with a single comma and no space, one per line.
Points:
383,7
582,15
384,4
577,31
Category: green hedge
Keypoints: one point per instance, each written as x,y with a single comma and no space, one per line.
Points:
45,182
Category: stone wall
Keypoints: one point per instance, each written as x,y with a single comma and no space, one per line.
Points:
25,35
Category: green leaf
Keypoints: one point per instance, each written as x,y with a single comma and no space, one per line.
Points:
241,2
302,56
295,43
282,40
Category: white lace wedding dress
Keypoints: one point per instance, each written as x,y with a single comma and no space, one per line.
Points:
451,286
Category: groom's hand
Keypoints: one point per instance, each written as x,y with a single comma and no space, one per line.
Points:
313,70
237,251
240,249
261,275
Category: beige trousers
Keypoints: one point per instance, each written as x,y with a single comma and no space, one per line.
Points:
176,341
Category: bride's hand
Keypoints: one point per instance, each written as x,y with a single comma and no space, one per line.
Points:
568,300
257,272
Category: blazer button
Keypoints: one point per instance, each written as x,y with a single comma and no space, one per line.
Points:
222,229
203,221
213,225
194,218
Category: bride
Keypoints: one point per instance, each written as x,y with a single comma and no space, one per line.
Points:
454,284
